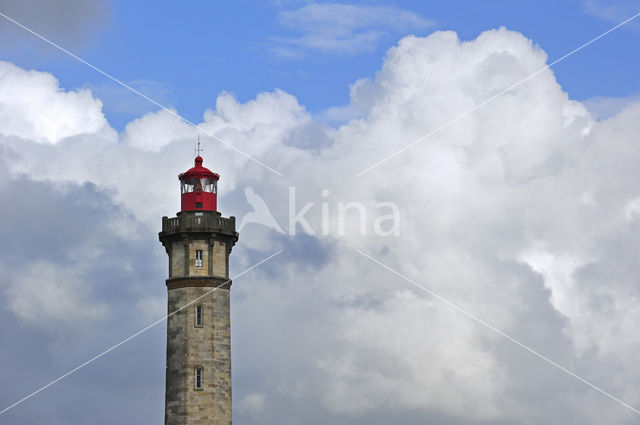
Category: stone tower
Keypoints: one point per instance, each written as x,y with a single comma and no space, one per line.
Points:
198,241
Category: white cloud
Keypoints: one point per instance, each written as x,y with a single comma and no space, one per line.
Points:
155,130
33,106
339,28
459,376
519,213
45,295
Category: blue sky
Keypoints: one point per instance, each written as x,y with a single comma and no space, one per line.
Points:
185,55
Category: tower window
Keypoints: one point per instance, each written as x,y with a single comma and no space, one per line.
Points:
198,382
198,315
198,258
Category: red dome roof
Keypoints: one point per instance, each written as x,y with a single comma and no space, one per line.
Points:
198,171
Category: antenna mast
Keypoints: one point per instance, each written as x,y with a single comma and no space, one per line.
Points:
198,149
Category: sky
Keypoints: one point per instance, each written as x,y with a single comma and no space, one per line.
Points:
514,189
185,56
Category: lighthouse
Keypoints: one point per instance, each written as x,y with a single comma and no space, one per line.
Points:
198,242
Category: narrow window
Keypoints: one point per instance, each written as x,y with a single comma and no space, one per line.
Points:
198,258
198,315
198,378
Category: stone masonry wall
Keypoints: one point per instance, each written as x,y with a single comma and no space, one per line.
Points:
191,346
208,347
204,247
175,396
220,260
218,253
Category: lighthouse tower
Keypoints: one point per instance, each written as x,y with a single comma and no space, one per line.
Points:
198,241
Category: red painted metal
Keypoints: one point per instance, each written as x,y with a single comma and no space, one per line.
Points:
199,187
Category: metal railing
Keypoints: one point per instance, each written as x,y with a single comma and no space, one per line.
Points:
205,223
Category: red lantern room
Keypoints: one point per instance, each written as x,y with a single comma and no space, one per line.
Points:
199,188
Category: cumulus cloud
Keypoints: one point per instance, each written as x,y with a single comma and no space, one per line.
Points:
524,213
155,130
456,377
33,106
